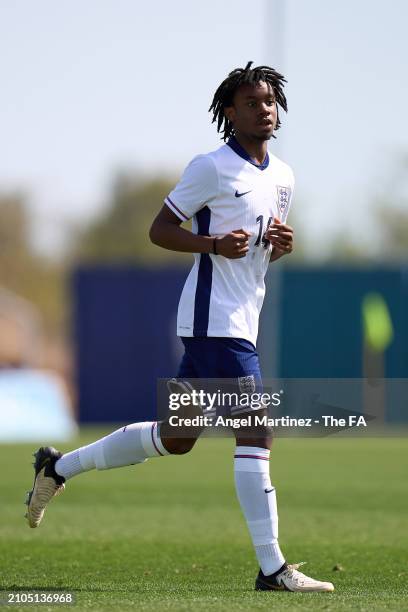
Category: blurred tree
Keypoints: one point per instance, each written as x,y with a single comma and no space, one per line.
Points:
395,232
391,207
21,270
345,250
121,233
388,227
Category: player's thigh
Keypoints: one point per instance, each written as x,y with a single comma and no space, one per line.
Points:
232,365
243,371
238,359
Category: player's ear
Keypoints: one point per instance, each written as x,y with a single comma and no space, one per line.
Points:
229,112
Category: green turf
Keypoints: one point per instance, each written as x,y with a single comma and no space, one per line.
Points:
169,535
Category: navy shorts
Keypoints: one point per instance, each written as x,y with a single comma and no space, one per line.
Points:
219,358
227,365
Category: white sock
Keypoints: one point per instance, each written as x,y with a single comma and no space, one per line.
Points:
125,446
258,502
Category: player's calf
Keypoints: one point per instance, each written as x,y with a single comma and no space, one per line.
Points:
128,445
179,439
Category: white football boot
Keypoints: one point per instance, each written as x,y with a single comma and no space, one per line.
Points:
47,484
290,579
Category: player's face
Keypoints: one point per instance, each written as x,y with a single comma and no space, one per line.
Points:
253,113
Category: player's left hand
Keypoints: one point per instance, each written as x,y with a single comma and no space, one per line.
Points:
280,236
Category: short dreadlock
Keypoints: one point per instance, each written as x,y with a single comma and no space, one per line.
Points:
249,76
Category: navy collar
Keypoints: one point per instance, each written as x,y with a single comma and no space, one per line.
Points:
235,146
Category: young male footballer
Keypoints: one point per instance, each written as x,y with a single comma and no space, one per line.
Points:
238,198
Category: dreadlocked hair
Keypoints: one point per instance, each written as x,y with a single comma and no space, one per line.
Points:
249,76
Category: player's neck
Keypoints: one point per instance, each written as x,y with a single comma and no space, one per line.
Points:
257,149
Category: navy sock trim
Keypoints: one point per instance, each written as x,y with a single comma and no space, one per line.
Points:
279,571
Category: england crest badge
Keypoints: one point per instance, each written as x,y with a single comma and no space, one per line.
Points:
284,196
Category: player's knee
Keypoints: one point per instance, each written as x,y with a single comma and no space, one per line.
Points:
266,440
254,434
266,434
183,447
260,436
179,446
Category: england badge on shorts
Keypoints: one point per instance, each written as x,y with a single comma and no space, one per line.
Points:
247,384
284,195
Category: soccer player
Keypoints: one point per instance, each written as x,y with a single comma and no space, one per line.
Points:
238,198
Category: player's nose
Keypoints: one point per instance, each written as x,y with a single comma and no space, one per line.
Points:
264,110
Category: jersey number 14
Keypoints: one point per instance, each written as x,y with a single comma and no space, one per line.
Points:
261,233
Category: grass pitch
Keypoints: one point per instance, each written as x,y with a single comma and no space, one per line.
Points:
169,535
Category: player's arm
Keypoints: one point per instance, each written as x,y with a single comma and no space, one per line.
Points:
280,236
166,232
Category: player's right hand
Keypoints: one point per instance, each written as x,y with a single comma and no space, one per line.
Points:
234,245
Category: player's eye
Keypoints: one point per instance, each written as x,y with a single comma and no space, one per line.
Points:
251,104
270,102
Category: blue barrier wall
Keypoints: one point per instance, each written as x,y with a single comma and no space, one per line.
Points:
124,327
125,322
321,321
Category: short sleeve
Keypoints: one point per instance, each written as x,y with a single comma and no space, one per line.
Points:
197,186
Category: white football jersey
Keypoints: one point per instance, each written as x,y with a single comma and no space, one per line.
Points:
226,190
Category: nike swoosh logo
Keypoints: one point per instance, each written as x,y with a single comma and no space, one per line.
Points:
239,195
272,587
281,587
